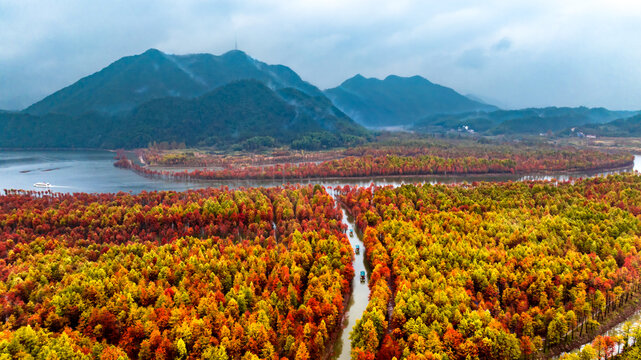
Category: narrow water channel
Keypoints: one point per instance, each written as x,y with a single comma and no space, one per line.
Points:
360,291
618,330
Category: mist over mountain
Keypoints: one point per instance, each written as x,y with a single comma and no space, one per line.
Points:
198,99
226,100
398,100
228,115
236,112
133,80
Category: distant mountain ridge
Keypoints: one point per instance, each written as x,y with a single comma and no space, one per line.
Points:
524,121
238,111
398,100
133,80
226,100
624,127
228,115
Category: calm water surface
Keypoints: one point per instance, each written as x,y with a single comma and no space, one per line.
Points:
360,292
93,171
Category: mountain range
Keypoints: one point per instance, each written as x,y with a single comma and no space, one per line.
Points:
398,101
524,121
229,115
134,80
233,99
624,127
199,99
238,111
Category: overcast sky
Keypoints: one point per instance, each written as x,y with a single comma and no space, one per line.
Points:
511,53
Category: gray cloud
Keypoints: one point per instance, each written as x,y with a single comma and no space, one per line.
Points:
502,45
522,53
473,58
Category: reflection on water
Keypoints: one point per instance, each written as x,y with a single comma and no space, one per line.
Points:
618,330
74,171
93,171
360,292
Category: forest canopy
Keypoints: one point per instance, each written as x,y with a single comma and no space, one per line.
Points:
480,271
493,271
217,274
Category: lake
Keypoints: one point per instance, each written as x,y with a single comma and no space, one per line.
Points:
93,171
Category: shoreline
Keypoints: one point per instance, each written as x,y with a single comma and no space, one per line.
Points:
620,316
57,149
335,337
490,175
596,171
333,352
